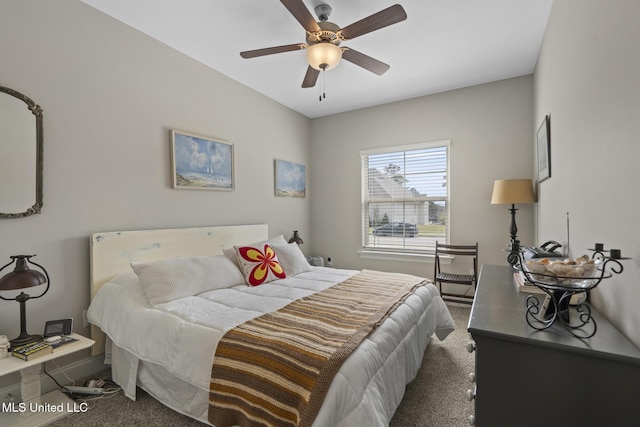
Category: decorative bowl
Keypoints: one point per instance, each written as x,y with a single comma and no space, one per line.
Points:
578,272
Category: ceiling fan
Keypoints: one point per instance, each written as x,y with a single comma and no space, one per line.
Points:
324,37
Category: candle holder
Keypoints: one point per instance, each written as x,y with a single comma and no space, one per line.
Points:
560,285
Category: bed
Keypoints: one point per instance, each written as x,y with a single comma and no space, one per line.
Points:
164,341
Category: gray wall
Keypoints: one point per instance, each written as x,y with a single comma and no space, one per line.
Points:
110,95
490,128
588,81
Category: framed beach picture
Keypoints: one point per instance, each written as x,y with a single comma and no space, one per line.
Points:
201,162
290,179
544,150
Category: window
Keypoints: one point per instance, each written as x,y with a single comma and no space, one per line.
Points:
405,197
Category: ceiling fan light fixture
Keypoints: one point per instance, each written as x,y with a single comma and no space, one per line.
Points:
323,39
323,56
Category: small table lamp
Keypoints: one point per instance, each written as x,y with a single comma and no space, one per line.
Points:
20,278
296,238
512,191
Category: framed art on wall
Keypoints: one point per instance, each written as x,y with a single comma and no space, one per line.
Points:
201,162
290,179
544,150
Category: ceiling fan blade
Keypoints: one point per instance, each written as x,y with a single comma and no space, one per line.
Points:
271,50
302,14
311,77
384,18
365,61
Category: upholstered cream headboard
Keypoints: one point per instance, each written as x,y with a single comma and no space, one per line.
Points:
113,252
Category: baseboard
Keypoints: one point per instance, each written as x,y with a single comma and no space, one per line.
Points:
76,371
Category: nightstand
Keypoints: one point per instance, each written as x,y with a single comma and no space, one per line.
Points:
49,407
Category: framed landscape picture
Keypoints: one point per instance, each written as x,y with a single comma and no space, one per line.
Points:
544,150
201,162
290,179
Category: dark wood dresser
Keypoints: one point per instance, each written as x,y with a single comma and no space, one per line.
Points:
549,378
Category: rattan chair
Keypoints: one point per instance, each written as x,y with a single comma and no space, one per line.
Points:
440,277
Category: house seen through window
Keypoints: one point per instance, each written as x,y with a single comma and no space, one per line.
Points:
405,197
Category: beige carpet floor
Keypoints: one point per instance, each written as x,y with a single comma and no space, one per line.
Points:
436,398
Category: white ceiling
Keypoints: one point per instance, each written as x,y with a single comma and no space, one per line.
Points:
443,45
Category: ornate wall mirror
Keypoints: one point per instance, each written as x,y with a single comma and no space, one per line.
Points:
21,146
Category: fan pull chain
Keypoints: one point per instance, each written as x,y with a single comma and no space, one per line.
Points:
322,93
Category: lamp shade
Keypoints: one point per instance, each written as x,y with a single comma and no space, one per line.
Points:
22,276
323,56
512,191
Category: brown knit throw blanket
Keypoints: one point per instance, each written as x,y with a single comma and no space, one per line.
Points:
275,370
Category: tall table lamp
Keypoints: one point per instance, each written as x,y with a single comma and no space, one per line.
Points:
23,277
513,191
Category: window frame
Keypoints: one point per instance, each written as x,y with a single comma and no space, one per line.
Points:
369,250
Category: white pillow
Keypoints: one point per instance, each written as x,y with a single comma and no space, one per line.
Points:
170,279
231,252
291,258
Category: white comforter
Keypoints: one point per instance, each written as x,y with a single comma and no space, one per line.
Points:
182,335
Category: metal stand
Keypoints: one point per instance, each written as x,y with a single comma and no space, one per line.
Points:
581,326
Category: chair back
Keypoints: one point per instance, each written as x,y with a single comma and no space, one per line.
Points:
457,250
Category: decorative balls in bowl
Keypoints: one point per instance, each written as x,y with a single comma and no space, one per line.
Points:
568,268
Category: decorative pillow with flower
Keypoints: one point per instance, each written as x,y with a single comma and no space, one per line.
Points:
259,265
